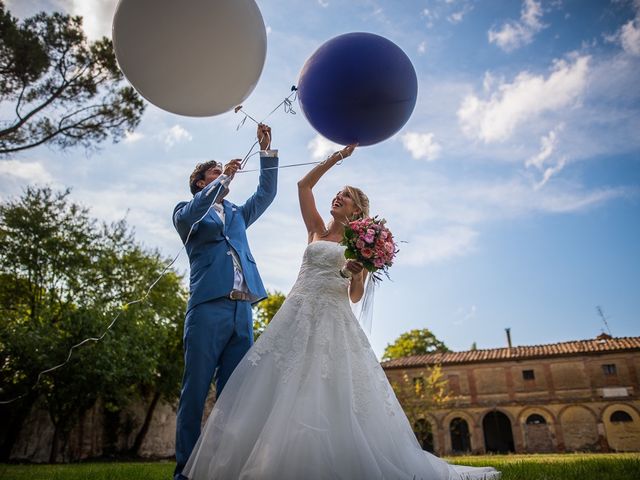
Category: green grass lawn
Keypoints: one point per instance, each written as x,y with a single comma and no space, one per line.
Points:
514,467
620,466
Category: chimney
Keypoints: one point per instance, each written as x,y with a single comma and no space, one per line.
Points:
508,330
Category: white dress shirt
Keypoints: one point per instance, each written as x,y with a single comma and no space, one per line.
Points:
238,278
218,208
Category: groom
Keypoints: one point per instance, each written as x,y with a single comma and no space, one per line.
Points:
224,282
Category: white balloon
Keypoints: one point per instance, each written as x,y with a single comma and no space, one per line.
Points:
191,57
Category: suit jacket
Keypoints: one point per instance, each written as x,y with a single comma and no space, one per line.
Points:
210,243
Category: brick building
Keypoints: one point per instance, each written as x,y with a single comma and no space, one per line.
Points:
561,397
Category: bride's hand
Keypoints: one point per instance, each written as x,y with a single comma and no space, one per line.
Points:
354,267
344,153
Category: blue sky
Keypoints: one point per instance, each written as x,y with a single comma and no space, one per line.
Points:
516,182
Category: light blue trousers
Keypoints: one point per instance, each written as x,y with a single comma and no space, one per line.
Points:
217,334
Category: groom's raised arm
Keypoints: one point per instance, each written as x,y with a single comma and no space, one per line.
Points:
187,214
267,186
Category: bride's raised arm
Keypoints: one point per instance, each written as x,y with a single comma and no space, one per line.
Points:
312,219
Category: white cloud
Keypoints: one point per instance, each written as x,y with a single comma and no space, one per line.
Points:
630,36
279,261
133,137
27,171
548,145
457,17
515,34
465,315
175,135
445,202
551,171
97,15
471,314
323,3
449,242
320,147
528,96
421,145
15,175
430,15
422,48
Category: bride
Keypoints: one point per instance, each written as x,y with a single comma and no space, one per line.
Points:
310,400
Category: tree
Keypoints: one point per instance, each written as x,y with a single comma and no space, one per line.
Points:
426,389
414,342
264,312
57,88
64,278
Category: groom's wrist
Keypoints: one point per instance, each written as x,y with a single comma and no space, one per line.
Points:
269,153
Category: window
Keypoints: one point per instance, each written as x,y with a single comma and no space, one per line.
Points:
528,375
535,419
609,369
620,416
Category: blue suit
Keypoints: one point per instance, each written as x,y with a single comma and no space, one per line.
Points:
218,331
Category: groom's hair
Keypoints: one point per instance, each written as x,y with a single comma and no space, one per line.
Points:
198,174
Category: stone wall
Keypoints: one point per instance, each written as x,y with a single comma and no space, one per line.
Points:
90,438
566,406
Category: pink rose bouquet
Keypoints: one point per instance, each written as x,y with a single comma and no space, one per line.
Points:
370,242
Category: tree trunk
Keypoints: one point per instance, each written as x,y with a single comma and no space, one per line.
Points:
54,444
135,448
14,416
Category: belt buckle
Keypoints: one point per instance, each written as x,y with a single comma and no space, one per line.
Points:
237,295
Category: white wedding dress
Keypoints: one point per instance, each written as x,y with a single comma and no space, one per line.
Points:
310,400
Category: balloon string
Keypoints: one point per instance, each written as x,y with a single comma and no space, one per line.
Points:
282,166
288,108
250,153
287,102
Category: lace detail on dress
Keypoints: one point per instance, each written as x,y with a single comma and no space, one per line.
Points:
316,310
310,400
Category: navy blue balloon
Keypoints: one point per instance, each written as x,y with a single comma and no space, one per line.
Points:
358,88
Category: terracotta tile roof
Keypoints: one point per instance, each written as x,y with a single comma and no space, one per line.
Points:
577,347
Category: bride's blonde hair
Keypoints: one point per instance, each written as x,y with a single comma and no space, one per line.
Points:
360,200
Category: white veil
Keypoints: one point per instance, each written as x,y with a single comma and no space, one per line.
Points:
363,309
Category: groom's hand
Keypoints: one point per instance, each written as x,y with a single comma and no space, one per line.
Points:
232,167
264,136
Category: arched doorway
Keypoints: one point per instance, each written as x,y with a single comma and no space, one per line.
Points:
622,427
460,438
537,434
498,437
579,429
424,434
